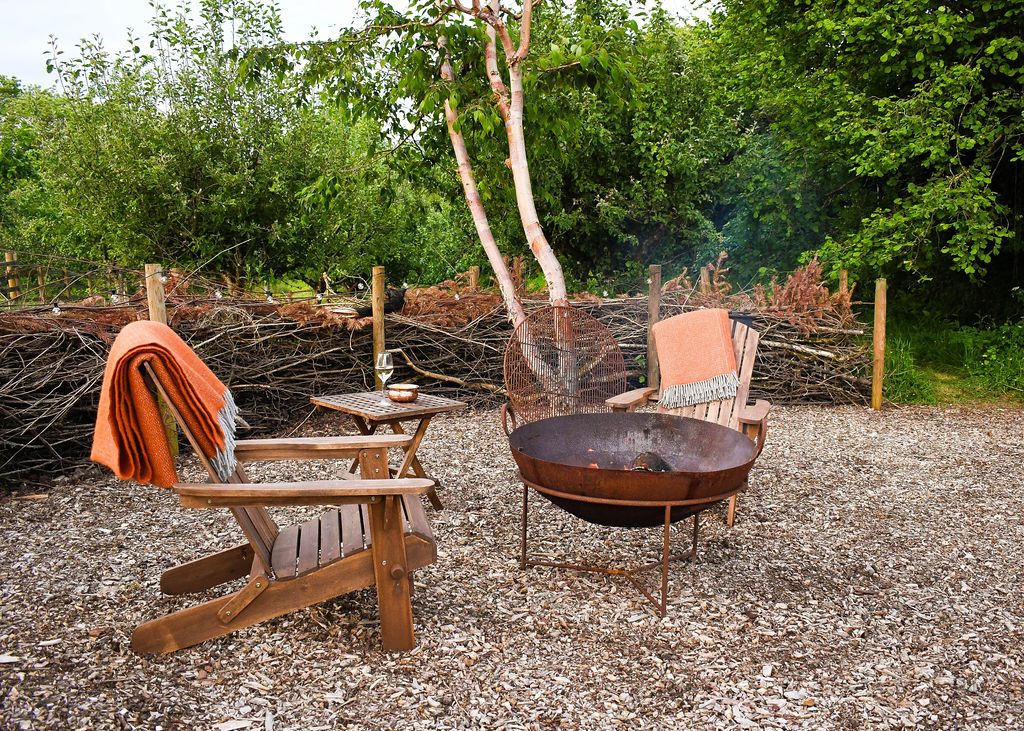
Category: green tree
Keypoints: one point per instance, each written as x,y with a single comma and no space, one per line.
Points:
161,154
909,111
400,69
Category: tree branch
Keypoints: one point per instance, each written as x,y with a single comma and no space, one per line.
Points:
524,32
494,76
519,16
559,68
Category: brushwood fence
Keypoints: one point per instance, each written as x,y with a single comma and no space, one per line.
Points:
450,338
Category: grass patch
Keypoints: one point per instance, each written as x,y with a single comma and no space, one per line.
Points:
931,362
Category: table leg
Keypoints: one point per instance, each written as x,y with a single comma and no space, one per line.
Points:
366,429
411,461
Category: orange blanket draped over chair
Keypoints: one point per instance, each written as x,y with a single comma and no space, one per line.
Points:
696,358
130,438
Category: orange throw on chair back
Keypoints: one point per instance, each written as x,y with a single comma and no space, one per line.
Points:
129,436
696,358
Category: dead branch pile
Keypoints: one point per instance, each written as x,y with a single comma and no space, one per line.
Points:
275,356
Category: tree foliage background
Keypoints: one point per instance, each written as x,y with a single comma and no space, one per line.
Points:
884,136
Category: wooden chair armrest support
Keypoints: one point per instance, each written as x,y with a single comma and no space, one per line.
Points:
316,492
259,450
631,399
755,413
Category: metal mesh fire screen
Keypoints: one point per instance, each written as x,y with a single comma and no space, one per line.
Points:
562,361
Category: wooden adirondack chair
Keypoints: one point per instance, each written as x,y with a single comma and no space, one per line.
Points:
378,535
735,413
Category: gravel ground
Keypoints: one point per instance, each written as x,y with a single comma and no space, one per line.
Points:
873,579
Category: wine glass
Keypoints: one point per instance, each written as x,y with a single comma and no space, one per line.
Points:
385,367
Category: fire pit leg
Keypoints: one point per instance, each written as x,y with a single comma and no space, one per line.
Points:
663,608
696,527
629,573
522,542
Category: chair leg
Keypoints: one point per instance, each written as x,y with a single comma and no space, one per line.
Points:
203,622
390,561
200,623
391,570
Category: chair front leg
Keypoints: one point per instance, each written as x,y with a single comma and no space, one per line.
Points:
390,563
755,432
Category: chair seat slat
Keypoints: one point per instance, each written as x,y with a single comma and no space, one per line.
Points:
330,537
309,547
286,549
351,530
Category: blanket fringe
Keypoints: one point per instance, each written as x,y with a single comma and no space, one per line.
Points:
224,460
701,392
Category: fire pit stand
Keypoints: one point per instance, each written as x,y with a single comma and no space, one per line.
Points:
710,464
666,557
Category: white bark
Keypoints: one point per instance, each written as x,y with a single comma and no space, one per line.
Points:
483,228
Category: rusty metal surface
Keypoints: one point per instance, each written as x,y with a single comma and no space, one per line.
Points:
559,361
581,463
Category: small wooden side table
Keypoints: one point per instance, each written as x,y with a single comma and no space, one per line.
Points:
369,414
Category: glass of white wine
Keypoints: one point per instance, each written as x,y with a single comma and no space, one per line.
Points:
385,367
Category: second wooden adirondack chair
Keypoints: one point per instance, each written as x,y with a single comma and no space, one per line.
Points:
735,413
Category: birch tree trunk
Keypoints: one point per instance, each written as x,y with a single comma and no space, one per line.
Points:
539,245
510,108
476,206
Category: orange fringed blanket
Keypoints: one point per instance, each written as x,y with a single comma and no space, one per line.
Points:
696,358
129,436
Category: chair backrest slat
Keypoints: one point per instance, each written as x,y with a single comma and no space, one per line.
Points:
744,340
252,532
256,523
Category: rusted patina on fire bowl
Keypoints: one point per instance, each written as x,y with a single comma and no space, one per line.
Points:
581,463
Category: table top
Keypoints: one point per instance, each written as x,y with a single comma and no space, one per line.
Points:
368,405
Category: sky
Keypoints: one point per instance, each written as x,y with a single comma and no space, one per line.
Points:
26,27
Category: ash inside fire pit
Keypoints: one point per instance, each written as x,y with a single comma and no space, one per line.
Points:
650,462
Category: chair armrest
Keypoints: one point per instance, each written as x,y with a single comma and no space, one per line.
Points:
755,413
630,399
753,421
268,450
316,492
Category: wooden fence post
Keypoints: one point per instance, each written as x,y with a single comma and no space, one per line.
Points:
704,282
378,294
13,282
474,278
878,370
844,282
158,313
653,315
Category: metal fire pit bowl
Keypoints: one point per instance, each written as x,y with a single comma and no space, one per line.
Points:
581,463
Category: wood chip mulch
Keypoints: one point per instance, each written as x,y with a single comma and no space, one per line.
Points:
873,579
